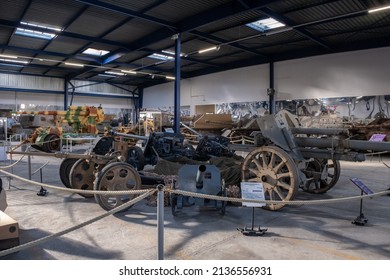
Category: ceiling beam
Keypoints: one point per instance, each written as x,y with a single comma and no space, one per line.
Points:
11,24
49,53
128,12
225,42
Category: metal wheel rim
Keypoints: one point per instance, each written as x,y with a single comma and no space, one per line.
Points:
82,176
277,171
50,145
116,176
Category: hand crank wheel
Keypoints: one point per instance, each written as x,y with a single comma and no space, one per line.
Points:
326,173
117,176
275,168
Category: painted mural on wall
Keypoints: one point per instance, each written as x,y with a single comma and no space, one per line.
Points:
345,108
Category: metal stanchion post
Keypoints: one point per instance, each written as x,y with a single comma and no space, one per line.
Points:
29,166
160,221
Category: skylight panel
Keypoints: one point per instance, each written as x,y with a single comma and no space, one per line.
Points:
34,33
95,52
265,24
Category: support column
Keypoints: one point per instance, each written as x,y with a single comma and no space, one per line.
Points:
177,84
271,89
138,103
66,92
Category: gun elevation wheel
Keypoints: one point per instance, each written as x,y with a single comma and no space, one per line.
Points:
322,175
117,176
136,158
277,171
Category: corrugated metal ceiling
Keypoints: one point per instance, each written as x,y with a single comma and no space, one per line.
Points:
132,30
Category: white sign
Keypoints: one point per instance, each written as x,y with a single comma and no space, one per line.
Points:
254,191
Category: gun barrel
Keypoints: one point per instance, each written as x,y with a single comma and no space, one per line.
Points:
346,144
200,176
319,131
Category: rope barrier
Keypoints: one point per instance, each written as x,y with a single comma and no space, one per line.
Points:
63,232
13,164
75,190
292,202
148,192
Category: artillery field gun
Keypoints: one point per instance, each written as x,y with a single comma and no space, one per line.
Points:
293,157
51,126
112,163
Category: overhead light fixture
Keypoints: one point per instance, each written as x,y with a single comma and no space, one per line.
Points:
37,34
115,73
170,78
172,53
14,61
74,64
161,57
215,48
8,56
129,72
378,9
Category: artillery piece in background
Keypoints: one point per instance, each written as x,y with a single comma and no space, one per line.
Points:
51,126
112,163
293,157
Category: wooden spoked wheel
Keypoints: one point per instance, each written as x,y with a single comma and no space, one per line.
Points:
277,171
117,176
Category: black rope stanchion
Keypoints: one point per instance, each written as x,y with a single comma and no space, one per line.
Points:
361,220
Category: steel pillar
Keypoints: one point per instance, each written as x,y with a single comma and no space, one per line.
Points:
177,84
271,89
66,92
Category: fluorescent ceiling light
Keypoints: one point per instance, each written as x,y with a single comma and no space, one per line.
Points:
265,24
161,57
14,61
171,52
379,9
8,56
36,34
129,71
74,64
115,73
209,49
106,75
170,78
95,52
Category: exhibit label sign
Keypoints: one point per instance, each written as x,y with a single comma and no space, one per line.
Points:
253,191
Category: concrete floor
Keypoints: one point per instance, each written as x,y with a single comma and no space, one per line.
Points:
311,232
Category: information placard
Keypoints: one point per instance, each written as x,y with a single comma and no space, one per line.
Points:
254,191
361,186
